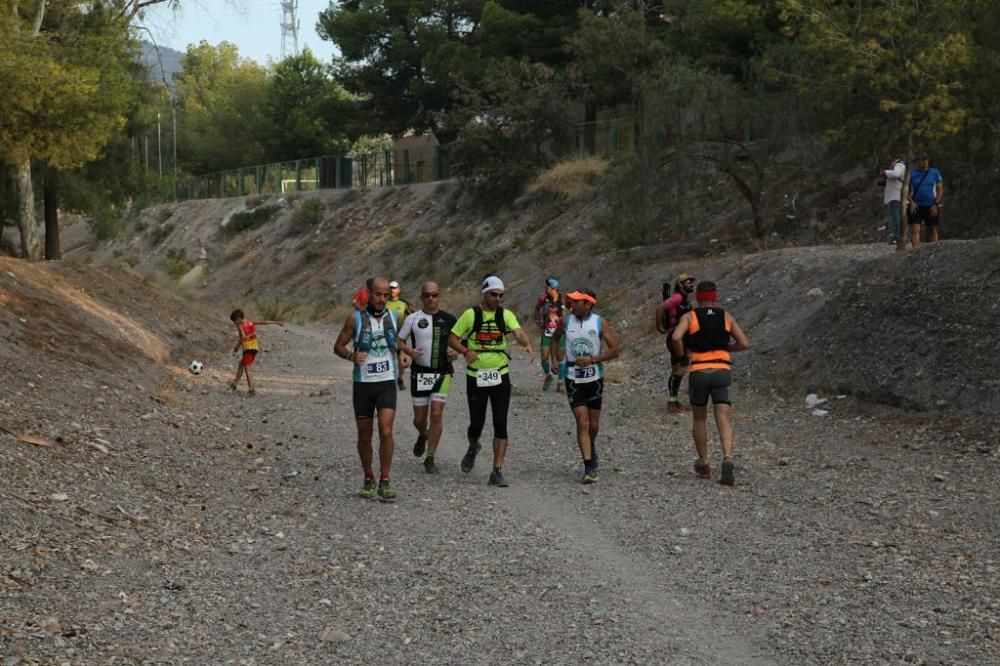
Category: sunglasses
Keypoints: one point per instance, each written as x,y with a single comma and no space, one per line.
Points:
428,294
495,294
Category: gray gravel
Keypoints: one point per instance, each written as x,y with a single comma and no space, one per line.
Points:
219,528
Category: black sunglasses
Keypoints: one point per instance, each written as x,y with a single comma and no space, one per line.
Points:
427,294
495,294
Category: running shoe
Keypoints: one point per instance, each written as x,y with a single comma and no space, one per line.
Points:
420,446
469,459
675,407
704,470
429,465
559,387
590,475
368,490
385,491
727,473
547,382
496,479
252,392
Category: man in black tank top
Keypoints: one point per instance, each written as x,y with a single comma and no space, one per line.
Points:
710,334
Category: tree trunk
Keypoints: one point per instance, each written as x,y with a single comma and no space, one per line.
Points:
50,197
589,128
904,195
31,246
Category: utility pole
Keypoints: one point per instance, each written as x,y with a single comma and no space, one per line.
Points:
289,28
173,110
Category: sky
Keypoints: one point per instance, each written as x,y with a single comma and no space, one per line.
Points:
253,25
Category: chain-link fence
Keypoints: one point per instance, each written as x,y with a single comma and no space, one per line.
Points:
375,169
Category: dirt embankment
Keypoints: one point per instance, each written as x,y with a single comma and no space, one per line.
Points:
897,328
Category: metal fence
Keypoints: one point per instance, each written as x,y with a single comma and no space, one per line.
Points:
374,169
605,138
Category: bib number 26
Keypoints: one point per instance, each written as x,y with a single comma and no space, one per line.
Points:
426,381
487,378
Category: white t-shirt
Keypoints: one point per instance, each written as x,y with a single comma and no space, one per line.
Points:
894,181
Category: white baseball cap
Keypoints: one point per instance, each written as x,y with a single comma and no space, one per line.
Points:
393,285
492,283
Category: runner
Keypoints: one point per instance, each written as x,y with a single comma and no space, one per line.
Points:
668,313
706,332
548,314
373,333
486,328
588,342
401,309
424,338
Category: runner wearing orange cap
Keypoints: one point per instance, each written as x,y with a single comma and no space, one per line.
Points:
589,342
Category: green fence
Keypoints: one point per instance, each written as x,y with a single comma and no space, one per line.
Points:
605,138
374,169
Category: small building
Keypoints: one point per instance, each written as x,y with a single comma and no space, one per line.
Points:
417,158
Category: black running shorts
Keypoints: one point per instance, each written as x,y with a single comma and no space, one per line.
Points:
586,394
370,397
705,384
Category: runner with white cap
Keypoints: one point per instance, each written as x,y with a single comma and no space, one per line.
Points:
480,336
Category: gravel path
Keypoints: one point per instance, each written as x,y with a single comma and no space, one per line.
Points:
226,529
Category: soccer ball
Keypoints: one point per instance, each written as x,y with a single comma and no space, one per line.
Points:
196,367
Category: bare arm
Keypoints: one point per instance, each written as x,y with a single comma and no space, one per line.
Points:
611,349
522,339
239,343
346,335
740,340
658,317
938,193
268,322
678,337
456,343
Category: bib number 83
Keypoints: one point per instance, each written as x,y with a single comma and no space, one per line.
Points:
378,368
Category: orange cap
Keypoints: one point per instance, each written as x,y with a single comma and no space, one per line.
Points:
580,296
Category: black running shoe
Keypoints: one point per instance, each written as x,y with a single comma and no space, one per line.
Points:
429,466
496,479
420,446
469,459
727,473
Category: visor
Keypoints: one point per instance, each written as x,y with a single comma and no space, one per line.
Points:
580,296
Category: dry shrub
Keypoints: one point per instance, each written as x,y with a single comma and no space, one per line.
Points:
569,179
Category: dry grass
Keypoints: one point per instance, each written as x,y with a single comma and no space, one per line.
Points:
569,179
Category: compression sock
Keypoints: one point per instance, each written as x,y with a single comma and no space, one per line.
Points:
675,385
546,368
562,371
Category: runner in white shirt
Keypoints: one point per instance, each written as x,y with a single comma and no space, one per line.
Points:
424,338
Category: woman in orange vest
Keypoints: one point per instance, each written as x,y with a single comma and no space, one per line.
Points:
710,334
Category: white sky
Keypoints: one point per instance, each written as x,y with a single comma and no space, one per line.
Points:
253,25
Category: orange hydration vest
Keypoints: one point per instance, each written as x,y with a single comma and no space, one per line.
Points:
707,339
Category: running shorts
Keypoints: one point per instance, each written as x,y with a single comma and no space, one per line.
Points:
587,394
370,397
923,216
437,394
248,357
705,384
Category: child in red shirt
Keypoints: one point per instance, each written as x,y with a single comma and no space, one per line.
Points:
249,344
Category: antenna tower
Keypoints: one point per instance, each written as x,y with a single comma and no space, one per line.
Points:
289,28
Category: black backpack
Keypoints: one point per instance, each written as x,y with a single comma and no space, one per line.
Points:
477,321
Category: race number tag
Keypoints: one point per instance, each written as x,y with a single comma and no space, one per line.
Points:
378,368
487,378
583,375
426,381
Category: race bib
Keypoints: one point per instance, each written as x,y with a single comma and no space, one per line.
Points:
426,381
583,375
378,368
487,378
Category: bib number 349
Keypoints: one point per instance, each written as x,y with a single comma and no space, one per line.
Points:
487,378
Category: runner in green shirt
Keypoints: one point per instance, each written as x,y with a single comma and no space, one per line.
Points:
480,336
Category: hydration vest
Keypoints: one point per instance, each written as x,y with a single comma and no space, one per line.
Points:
708,338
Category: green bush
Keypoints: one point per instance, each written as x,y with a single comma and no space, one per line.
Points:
308,215
177,263
275,310
161,232
251,219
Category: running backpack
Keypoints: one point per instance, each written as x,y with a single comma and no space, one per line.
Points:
477,321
